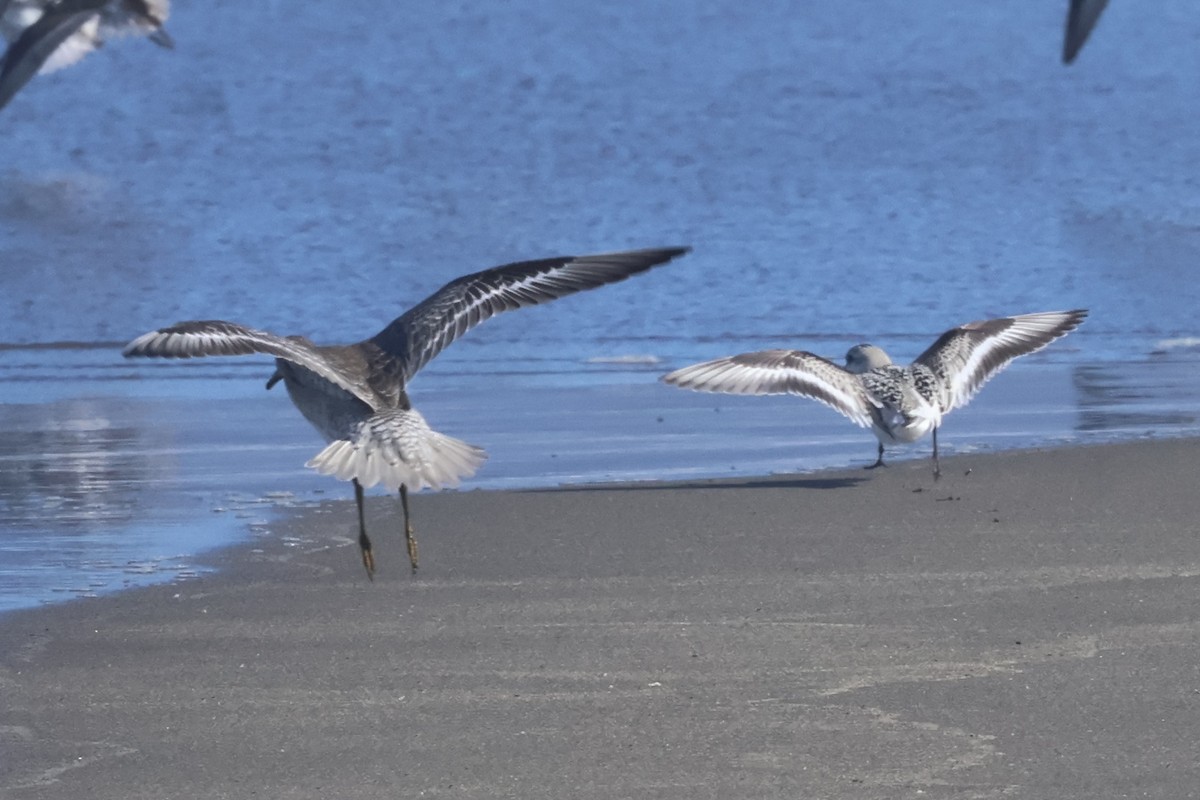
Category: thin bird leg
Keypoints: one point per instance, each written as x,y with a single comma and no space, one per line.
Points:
878,461
410,538
937,467
364,541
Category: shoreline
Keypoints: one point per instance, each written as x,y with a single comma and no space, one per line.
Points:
105,492
842,634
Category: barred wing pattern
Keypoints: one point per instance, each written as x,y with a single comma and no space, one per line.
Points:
781,372
396,447
218,338
966,357
429,327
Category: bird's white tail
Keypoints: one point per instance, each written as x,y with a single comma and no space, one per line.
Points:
397,447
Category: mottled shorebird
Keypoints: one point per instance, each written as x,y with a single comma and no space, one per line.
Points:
900,404
47,35
1081,18
355,395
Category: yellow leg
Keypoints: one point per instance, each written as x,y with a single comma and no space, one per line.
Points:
364,541
410,538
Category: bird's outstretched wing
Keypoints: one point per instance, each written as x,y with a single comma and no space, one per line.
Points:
426,329
780,372
37,43
218,338
966,357
1081,18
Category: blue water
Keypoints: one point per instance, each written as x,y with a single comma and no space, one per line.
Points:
863,170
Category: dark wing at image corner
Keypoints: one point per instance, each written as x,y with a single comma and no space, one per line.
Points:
36,44
1081,18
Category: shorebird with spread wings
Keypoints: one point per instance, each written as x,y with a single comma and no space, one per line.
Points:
356,395
47,35
899,404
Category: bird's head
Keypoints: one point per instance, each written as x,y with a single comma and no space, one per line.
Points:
866,357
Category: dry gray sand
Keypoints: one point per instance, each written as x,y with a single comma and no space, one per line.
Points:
1030,629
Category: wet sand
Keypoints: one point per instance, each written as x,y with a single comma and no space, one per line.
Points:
1026,627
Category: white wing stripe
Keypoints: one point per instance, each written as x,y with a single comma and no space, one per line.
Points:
731,376
216,338
1020,338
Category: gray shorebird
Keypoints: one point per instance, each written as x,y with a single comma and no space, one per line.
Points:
47,35
899,404
1081,18
355,395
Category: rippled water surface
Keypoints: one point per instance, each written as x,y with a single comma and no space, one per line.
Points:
863,170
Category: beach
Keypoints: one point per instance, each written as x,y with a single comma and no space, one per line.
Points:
842,177
1024,627
183,611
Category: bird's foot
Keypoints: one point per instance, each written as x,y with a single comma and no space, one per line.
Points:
877,464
